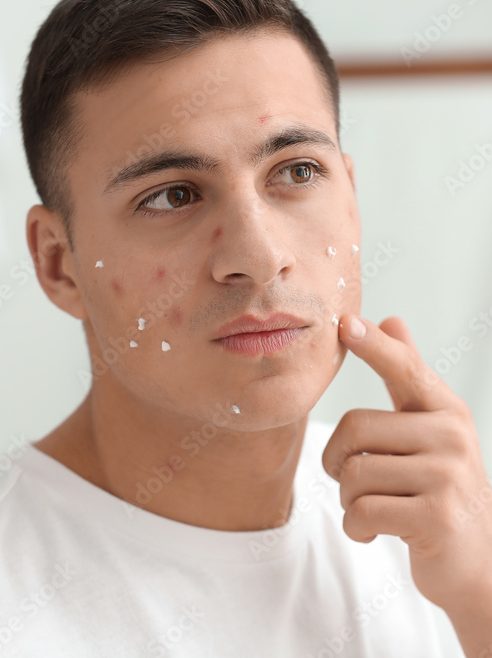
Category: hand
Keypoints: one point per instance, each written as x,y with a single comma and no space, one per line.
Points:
423,478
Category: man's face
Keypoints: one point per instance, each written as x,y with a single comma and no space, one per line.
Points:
244,238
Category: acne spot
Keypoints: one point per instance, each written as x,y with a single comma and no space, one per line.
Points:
116,286
160,273
263,119
172,467
175,317
217,234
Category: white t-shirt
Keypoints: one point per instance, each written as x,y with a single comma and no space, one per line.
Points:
85,575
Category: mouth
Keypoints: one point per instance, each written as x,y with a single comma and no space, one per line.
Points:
251,336
261,342
248,324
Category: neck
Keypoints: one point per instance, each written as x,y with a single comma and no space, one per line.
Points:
176,467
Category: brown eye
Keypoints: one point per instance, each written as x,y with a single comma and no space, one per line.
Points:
302,173
176,196
167,199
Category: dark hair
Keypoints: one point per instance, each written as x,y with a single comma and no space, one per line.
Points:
84,43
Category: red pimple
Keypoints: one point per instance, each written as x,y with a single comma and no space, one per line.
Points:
172,467
217,234
160,274
115,284
175,317
264,119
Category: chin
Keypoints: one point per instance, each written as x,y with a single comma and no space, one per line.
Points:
276,401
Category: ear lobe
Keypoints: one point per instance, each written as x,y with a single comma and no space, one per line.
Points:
350,167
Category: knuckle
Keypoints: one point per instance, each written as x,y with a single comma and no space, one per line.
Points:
439,473
330,461
456,433
350,467
360,509
412,367
347,421
448,521
349,523
441,514
355,422
358,518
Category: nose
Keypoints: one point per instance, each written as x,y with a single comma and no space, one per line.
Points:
252,248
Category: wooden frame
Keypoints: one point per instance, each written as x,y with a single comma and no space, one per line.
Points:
386,68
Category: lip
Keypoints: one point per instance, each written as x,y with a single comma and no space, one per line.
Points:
261,342
249,324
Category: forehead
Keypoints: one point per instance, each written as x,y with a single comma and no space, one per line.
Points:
219,93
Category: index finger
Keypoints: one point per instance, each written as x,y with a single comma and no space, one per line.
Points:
413,385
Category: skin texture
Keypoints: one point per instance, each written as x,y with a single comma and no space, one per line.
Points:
254,242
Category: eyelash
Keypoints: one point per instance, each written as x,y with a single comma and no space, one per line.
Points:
321,172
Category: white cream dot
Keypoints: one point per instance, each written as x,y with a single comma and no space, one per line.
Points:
332,252
341,283
141,324
355,249
165,346
133,343
235,409
334,320
99,263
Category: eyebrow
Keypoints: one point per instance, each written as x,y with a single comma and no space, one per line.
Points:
288,136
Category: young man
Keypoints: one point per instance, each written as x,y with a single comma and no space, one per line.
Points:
199,217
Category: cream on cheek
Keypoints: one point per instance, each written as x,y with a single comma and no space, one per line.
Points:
149,314
159,304
332,251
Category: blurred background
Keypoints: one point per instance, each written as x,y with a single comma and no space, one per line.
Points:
416,115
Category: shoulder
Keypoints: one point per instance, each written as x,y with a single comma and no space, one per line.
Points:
10,484
20,511
30,500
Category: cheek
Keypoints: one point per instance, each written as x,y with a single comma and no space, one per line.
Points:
175,317
117,287
159,274
344,283
175,314
216,234
347,299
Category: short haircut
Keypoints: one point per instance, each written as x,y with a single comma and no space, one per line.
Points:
84,43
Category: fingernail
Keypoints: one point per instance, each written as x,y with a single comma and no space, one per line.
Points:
357,329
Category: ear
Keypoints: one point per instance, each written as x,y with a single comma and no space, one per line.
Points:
350,167
54,260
